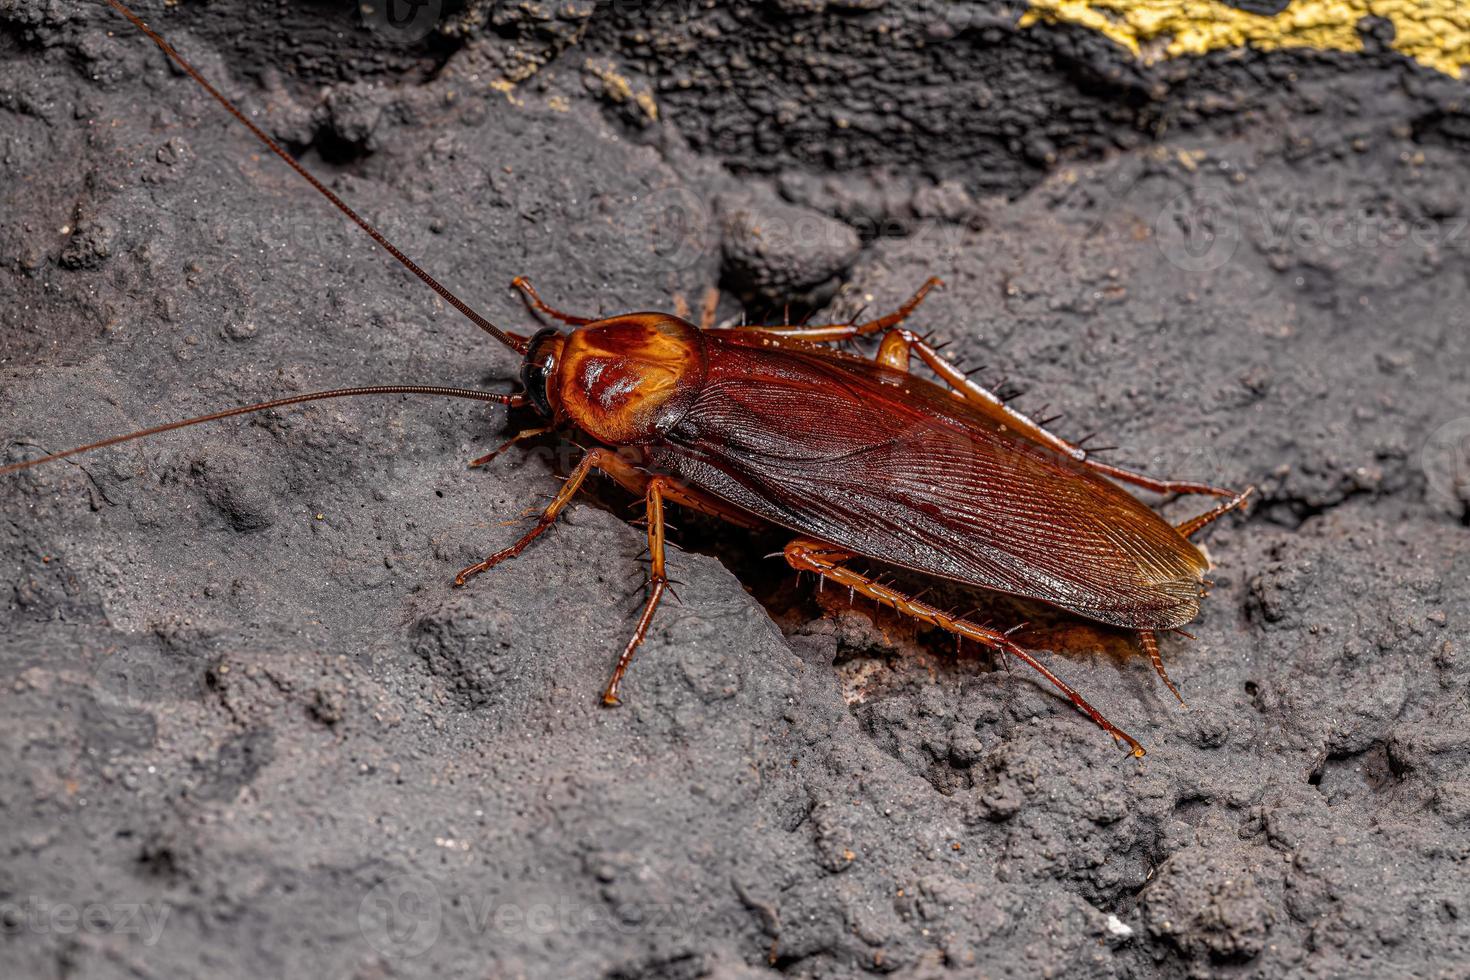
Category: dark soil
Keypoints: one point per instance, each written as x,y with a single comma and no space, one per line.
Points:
250,729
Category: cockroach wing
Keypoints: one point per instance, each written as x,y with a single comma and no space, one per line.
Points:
899,470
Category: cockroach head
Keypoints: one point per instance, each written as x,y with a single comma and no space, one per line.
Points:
539,366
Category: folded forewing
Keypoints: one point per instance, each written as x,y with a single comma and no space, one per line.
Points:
892,467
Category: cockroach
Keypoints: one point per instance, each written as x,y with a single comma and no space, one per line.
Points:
859,459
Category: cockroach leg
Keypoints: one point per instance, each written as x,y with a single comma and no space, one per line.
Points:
658,583
1154,485
1150,643
534,298
706,504
518,437
595,459
655,490
893,352
634,480
1210,516
826,560
992,405
709,308
822,333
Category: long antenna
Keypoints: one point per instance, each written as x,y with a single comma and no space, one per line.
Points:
514,341
315,396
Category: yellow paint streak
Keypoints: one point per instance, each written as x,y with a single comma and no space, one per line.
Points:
647,104
1435,33
507,88
617,88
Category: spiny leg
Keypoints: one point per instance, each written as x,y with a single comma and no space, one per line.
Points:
625,473
1211,516
655,490
1150,643
658,583
823,333
826,561
709,308
893,351
1148,639
595,459
631,478
635,480
992,405
524,285
518,437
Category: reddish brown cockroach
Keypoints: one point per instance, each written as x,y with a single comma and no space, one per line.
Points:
859,458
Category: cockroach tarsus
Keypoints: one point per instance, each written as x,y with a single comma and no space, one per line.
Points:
766,426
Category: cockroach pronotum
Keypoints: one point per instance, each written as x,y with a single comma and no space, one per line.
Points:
768,426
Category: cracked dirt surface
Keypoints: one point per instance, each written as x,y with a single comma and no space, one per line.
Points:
250,729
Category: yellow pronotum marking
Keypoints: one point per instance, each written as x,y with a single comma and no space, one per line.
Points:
1435,33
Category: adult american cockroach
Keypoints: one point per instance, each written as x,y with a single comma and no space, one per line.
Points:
859,458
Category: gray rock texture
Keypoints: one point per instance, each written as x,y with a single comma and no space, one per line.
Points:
250,730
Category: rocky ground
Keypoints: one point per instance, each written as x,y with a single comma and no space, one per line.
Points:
251,730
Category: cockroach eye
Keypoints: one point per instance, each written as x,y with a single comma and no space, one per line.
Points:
538,367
